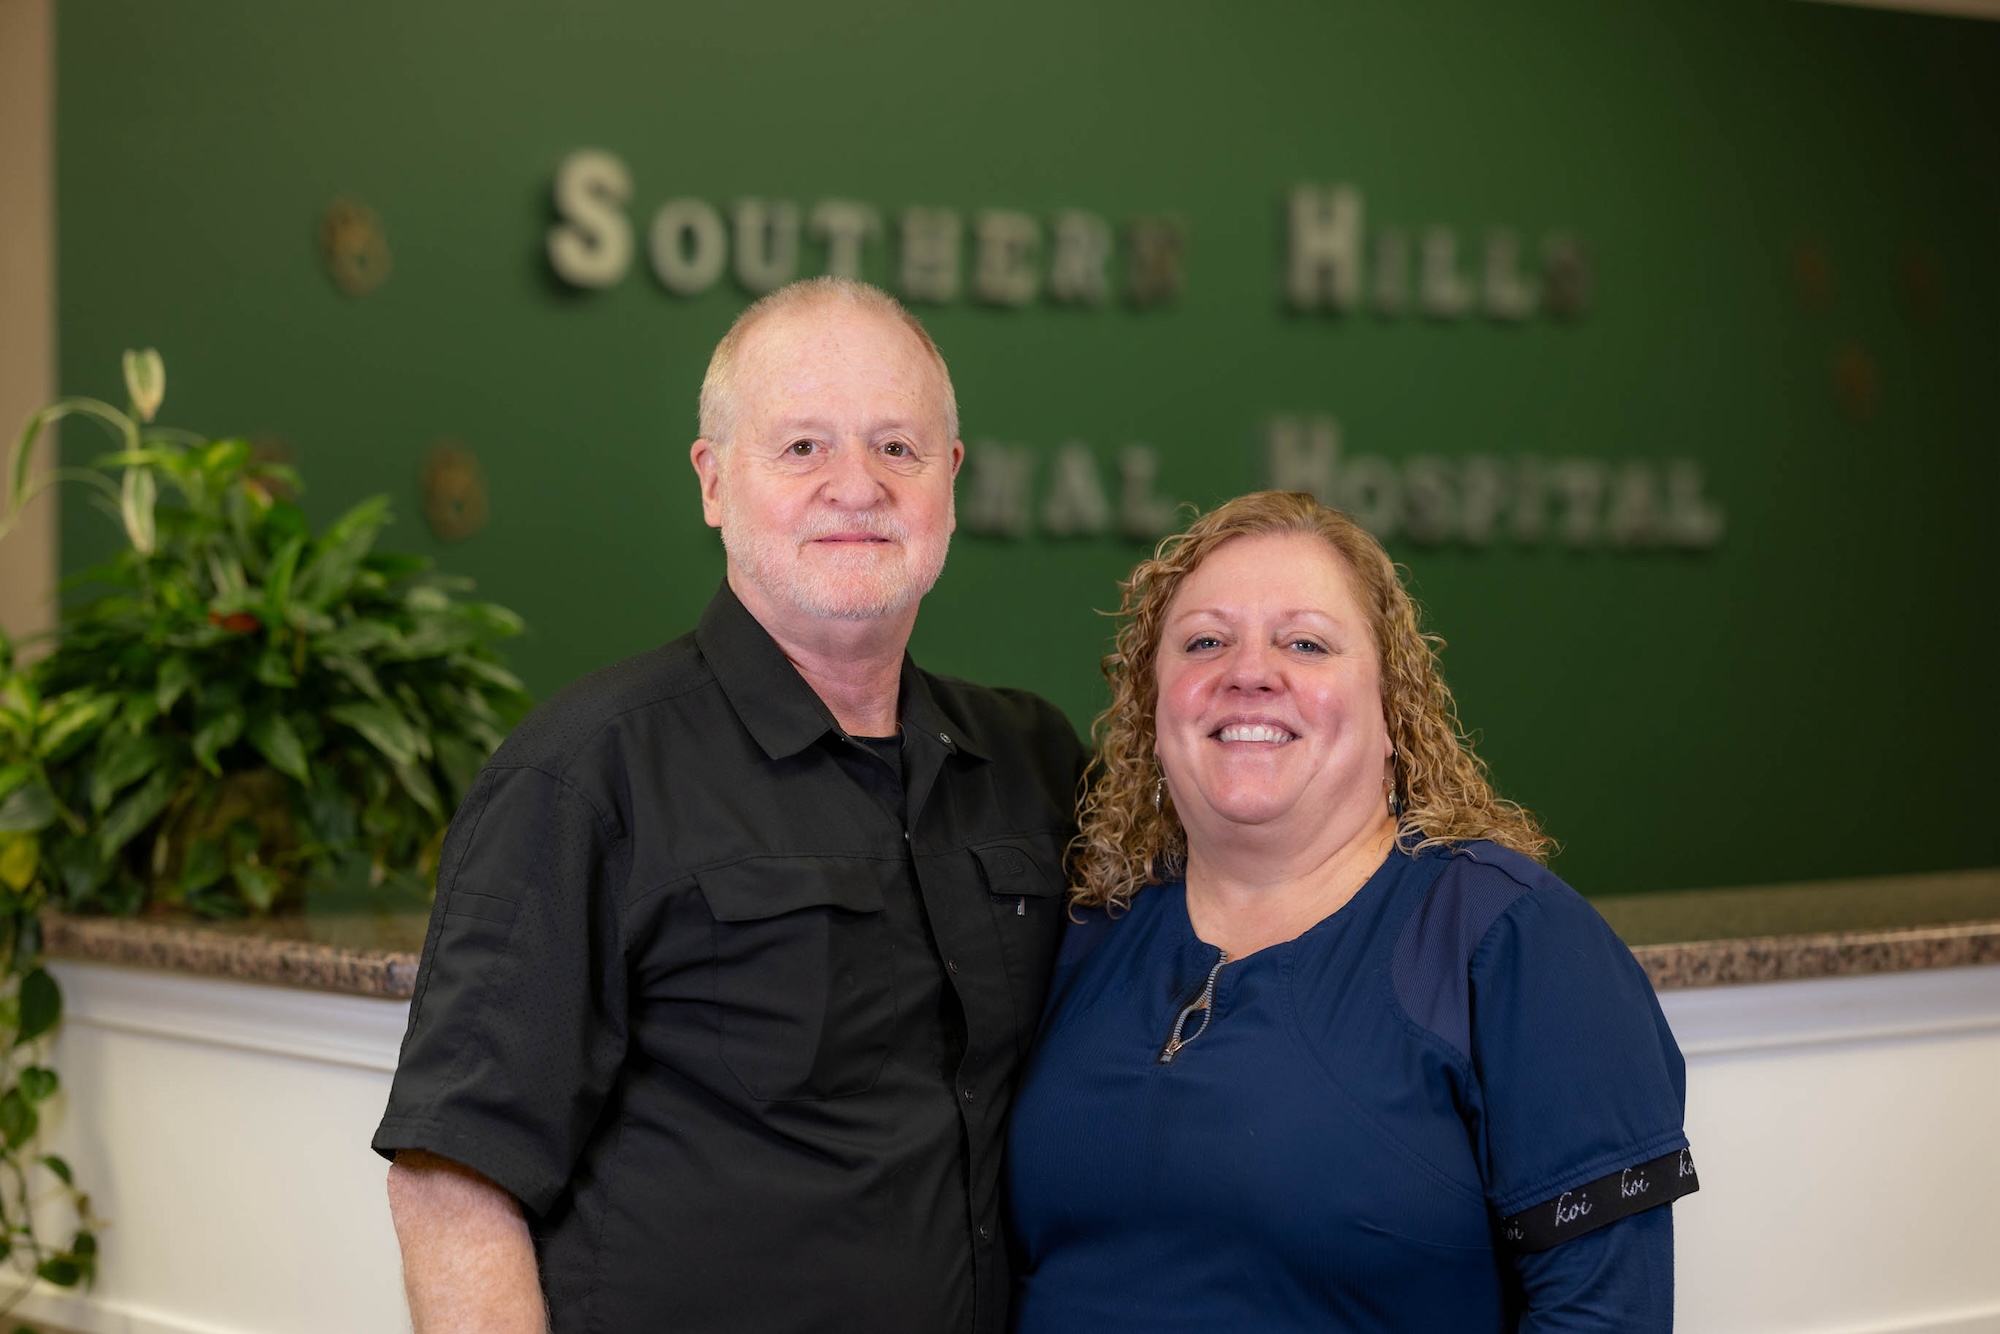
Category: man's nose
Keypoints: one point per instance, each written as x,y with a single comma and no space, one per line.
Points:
854,477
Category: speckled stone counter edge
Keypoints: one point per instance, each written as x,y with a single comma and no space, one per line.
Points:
191,949
393,974
1707,963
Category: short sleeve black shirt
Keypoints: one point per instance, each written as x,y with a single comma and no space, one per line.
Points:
739,1033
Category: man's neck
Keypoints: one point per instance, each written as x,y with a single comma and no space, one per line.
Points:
855,667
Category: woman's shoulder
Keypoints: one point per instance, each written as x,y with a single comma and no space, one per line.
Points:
1483,893
1089,926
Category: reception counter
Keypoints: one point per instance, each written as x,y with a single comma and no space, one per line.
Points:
1843,1045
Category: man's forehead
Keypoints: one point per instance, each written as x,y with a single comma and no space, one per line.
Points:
799,363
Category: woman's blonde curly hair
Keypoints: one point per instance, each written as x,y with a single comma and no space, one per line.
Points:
1127,842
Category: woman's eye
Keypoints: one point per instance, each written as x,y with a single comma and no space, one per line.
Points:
1202,642
800,448
1308,646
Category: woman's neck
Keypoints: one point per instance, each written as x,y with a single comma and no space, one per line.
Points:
1245,898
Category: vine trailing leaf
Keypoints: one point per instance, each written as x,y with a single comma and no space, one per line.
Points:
246,712
32,728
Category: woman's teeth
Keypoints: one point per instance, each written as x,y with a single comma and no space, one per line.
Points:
1253,732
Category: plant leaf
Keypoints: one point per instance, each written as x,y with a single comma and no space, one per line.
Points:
357,636
28,809
17,1119
133,814
20,855
259,885
176,675
215,735
128,758
336,560
418,784
72,718
38,1083
41,1005
384,727
279,743
358,673
60,1167
59,1270
273,669
278,579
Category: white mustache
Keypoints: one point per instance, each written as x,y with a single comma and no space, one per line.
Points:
874,526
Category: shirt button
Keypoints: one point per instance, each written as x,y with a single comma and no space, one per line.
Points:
985,1232
942,737
968,1094
951,964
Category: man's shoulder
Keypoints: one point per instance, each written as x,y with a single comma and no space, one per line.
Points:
1000,718
570,722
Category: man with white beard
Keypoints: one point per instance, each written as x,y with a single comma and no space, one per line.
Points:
738,943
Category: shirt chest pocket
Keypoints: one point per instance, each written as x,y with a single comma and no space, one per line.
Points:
804,977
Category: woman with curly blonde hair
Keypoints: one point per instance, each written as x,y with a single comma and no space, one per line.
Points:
1327,1046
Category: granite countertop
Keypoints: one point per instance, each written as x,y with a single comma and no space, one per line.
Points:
1688,938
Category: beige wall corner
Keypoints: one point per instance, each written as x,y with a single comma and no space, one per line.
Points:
27,294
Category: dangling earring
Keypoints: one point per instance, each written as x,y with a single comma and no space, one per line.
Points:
1395,795
1159,787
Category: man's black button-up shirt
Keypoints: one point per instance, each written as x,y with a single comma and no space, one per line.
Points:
739,1034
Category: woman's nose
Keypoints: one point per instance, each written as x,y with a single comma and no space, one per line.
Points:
1252,667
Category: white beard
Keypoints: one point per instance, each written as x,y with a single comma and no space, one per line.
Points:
860,583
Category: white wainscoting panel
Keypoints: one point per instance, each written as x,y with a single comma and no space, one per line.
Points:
1847,1131
222,1128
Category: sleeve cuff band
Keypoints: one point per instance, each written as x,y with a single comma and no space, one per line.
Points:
1603,1201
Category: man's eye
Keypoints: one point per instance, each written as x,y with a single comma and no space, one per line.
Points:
896,449
800,448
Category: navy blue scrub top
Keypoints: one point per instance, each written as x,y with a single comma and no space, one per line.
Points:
1452,1105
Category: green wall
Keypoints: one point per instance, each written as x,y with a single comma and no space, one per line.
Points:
1812,698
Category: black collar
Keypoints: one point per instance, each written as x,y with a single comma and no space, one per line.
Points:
781,711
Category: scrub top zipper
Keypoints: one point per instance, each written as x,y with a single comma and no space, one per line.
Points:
1205,1003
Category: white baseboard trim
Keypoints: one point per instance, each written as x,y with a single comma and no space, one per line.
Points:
88,1314
360,1031
1713,1021
1983,1321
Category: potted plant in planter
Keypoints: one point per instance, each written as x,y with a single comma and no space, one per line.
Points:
254,711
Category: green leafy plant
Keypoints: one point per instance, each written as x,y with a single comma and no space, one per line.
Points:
32,729
250,711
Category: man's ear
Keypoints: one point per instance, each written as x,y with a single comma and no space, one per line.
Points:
707,461
957,457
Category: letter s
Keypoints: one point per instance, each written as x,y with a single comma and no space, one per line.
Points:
592,245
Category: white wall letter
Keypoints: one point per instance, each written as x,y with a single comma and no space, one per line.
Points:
1371,491
592,245
767,244
996,489
1007,246
1076,506
1693,520
688,246
1565,277
1392,272
930,242
845,227
1303,456
1509,296
1446,295
1324,255
1430,510
1141,513
1082,249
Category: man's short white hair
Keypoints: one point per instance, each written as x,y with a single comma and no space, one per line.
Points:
718,387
